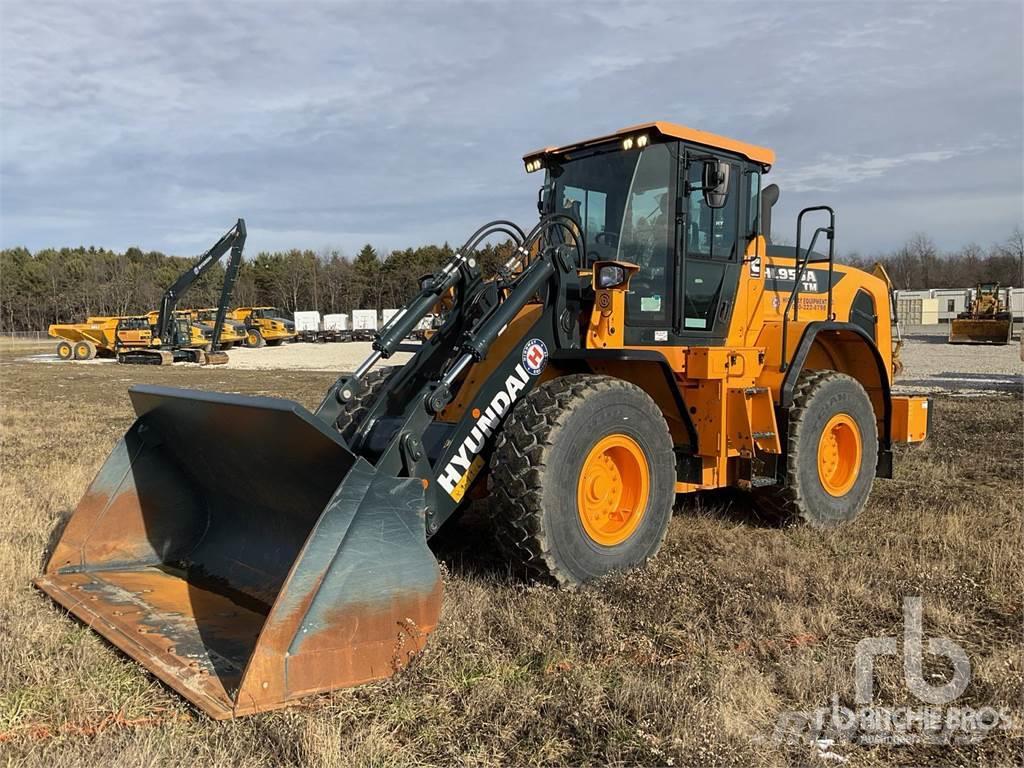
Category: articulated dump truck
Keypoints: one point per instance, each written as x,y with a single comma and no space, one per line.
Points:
102,337
645,340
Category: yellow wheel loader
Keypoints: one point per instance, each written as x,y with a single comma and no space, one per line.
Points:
988,319
645,340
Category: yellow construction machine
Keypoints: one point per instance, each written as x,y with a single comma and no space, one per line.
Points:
165,335
265,326
102,337
180,338
188,332
233,332
988,319
645,340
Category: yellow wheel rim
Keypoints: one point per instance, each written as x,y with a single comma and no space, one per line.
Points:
839,455
64,351
253,339
613,489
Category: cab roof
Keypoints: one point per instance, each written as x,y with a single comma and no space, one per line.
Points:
752,152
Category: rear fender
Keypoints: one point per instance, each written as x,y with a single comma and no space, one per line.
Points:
846,348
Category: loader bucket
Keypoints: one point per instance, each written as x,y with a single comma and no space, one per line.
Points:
241,553
979,331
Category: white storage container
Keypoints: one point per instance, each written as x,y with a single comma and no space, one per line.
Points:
336,322
307,321
364,320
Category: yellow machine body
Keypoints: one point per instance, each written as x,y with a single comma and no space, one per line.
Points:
103,336
987,319
266,325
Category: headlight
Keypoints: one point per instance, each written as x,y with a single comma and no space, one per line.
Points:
610,276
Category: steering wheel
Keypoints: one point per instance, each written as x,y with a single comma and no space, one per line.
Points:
607,238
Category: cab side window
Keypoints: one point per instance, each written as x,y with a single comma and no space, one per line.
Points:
710,232
711,242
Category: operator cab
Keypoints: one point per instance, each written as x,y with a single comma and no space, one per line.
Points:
271,313
678,203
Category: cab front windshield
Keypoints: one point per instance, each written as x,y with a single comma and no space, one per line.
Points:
620,202
273,313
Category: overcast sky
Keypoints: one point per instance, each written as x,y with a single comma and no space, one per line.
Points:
330,125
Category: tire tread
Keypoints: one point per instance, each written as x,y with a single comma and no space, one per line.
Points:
788,501
519,462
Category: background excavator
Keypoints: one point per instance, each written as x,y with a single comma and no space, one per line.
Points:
643,341
176,337
166,335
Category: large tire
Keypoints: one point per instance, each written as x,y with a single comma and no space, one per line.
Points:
828,476
568,476
85,350
254,339
354,411
275,342
65,350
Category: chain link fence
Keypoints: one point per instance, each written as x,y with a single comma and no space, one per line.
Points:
24,335
13,341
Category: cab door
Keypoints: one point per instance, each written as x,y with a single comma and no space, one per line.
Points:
646,238
709,252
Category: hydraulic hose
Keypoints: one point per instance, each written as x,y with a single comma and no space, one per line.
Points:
402,324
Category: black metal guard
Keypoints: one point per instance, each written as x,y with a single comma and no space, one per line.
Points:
802,262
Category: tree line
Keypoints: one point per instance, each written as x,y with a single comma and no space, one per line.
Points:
70,284
67,285
919,264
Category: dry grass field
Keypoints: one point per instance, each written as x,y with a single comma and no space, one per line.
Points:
688,662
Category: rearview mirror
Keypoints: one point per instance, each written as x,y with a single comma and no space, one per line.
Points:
715,183
544,197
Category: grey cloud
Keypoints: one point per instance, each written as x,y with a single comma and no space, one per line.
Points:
401,123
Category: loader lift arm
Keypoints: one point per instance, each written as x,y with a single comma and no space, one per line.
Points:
480,311
233,240
393,434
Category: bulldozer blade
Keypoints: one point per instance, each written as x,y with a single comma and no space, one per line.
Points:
237,549
980,332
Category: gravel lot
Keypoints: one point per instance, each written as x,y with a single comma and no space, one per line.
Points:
930,364
340,357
